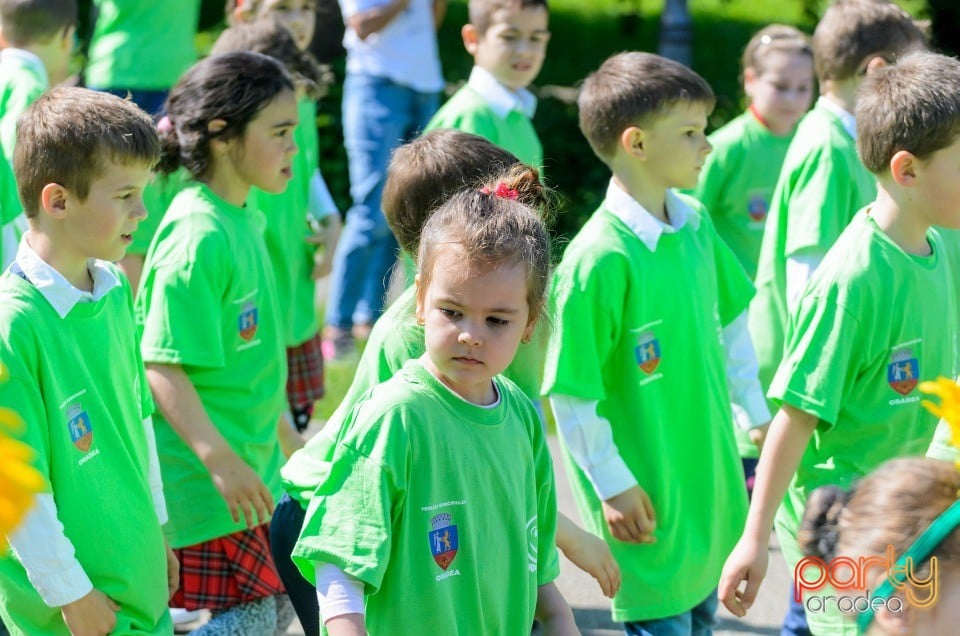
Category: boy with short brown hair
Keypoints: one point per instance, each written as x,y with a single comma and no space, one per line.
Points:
90,557
641,382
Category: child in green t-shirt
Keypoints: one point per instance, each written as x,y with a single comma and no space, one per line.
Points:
442,473
90,556
422,175
739,175
650,355
212,337
879,315
822,183
297,221
38,40
508,42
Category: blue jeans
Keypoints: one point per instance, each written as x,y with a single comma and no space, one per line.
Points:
795,622
378,116
284,530
696,622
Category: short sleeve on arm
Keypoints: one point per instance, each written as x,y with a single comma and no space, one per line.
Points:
821,204
181,302
820,362
586,306
350,519
734,288
548,561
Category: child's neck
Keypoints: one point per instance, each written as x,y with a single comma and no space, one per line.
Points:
908,231
228,186
73,268
843,94
652,198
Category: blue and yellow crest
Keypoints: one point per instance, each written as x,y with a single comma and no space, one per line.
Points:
247,323
757,207
903,372
443,540
648,352
81,430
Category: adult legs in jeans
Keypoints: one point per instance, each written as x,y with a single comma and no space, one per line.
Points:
795,622
698,621
284,530
378,115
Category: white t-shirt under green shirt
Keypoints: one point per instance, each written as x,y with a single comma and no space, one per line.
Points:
638,330
78,384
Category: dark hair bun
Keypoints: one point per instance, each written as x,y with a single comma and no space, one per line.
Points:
819,531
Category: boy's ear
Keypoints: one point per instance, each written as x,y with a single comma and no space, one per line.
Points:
903,168
470,38
53,200
631,140
876,62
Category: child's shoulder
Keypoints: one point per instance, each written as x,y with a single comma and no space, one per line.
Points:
464,108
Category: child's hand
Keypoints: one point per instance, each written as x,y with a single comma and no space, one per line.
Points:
173,571
323,258
630,516
241,488
747,562
592,555
759,435
92,615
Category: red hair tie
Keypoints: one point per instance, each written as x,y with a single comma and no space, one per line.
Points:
502,191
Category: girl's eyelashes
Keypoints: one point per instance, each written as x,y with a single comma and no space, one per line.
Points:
450,313
498,322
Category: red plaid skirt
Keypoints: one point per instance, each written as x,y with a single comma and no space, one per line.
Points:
305,373
227,571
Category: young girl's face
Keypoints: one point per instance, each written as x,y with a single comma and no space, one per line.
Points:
782,91
474,321
299,16
262,156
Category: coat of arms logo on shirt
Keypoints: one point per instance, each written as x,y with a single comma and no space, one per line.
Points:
81,430
648,352
443,539
247,322
757,208
903,372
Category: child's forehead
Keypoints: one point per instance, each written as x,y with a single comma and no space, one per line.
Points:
282,6
515,16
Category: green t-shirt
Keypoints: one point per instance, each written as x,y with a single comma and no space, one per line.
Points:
157,197
78,383
737,183
395,338
287,230
12,221
207,303
141,45
822,184
638,331
444,509
468,111
941,448
873,322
